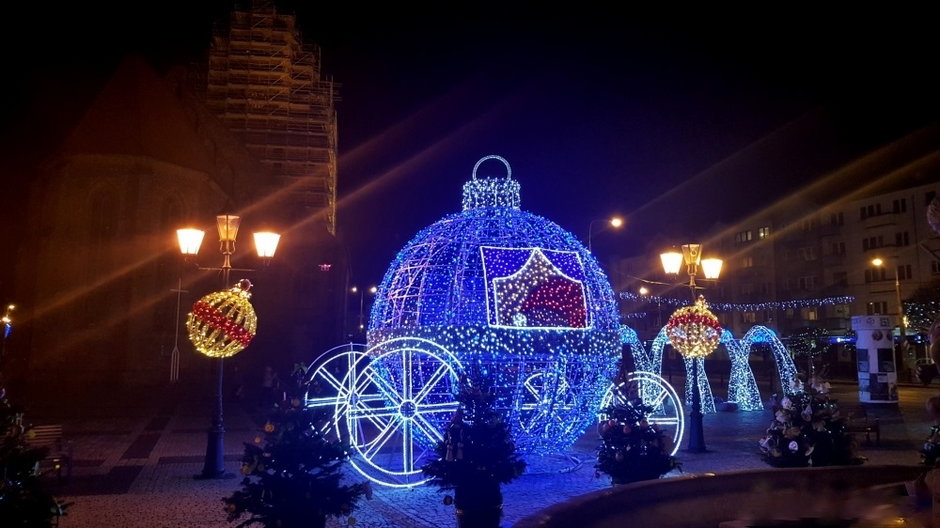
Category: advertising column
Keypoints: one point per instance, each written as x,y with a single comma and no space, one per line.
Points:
877,375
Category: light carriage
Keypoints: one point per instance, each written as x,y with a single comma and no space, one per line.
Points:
491,291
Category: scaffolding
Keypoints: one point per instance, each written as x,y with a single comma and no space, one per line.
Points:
265,83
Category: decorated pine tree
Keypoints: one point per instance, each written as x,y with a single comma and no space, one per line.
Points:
808,430
24,498
293,472
476,457
633,449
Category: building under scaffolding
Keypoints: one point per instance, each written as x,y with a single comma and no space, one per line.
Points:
265,83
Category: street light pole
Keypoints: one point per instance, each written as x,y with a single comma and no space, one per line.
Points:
614,221
672,262
362,293
189,241
902,326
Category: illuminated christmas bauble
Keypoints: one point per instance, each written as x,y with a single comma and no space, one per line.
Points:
933,214
518,297
224,322
694,330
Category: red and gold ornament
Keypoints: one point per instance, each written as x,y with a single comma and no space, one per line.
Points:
694,330
223,323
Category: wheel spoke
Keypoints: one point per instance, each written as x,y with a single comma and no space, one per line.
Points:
385,388
371,412
406,374
406,447
428,408
335,383
427,428
431,383
381,439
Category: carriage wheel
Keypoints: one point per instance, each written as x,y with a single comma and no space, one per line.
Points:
328,385
400,400
548,406
654,391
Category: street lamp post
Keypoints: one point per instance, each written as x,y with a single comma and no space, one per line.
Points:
189,242
355,289
902,326
672,261
614,222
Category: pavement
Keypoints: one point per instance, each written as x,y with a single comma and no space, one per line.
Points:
136,456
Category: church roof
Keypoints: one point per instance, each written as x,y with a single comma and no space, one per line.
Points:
137,114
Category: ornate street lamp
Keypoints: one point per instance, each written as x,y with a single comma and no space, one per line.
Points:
693,331
222,323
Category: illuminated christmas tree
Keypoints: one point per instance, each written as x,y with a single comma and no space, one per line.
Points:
293,473
631,448
24,498
475,458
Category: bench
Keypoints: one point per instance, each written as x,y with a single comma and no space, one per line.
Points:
59,456
858,421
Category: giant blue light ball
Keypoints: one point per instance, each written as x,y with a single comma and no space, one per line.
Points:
513,297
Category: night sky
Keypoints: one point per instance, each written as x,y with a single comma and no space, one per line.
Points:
674,118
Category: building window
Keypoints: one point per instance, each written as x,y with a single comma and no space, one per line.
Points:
763,232
875,275
747,262
743,236
871,210
836,219
807,253
877,308
807,283
749,317
902,239
810,314
872,243
837,248
935,267
840,278
900,206
905,272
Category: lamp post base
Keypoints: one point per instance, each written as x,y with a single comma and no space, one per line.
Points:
696,429
214,465
696,433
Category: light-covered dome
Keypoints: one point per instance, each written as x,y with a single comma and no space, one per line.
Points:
459,271
511,296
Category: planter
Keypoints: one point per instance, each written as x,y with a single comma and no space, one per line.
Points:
479,505
482,517
318,521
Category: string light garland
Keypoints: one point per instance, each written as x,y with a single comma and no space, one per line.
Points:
747,307
514,297
223,323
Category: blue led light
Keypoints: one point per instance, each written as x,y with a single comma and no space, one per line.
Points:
742,387
515,295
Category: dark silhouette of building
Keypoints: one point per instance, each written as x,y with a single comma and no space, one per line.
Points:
98,262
